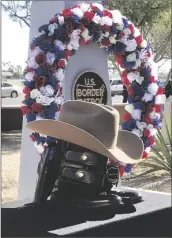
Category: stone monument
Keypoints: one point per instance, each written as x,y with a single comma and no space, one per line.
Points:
86,78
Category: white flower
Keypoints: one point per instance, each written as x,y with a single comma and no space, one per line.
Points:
35,93
84,7
143,54
59,100
137,65
75,44
32,63
117,16
96,19
133,76
39,148
131,45
99,6
29,76
136,32
35,51
136,114
124,39
43,100
59,44
106,34
56,115
131,57
59,74
148,149
129,108
147,97
143,44
85,35
51,28
153,131
38,117
50,58
137,132
153,88
49,91
75,34
69,47
78,12
155,115
141,125
160,99
120,26
112,39
127,31
61,20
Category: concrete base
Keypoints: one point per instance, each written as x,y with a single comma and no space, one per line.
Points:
151,218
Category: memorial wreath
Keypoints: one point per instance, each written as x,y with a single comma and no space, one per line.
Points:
62,37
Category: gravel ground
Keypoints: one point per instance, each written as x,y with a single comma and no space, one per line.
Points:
11,143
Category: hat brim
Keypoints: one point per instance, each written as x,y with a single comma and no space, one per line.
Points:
129,147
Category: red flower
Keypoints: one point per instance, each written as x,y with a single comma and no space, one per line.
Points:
121,34
107,13
152,79
131,27
54,19
119,59
127,116
151,140
89,15
40,59
66,12
106,42
146,132
82,41
106,28
67,53
25,110
121,170
26,90
160,90
61,63
58,108
149,54
147,119
139,40
145,155
32,138
39,81
37,107
126,82
158,108
130,90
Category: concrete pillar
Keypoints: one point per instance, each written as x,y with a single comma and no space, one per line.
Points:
89,57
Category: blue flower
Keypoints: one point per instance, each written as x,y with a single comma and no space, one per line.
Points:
28,101
99,13
129,125
146,72
138,90
125,22
146,142
37,40
43,28
113,29
128,168
129,65
130,99
30,84
31,116
156,122
52,80
117,48
42,71
45,45
60,54
75,18
49,111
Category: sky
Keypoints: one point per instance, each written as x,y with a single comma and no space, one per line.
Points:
15,41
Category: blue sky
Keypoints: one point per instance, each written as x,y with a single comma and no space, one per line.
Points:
15,41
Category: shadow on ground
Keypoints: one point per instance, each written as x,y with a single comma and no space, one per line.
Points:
10,142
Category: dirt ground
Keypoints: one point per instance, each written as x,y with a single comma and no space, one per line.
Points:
10,146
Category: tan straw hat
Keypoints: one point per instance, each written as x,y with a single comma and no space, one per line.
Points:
95,127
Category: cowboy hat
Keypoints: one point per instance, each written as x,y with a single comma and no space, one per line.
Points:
95,127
